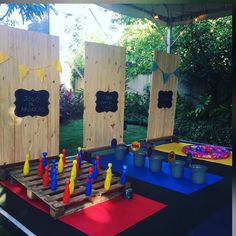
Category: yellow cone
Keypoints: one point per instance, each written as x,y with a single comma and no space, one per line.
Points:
72,184
60,164
73,170
26,168
108,178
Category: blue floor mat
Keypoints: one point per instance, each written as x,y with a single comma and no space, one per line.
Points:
163,179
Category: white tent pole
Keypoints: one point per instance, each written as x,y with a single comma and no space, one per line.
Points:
169,38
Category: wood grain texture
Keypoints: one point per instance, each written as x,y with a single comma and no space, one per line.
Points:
78,199
104,71
33,135
161,120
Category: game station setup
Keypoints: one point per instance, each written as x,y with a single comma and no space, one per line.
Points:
145,159
107,187
196,171
64,184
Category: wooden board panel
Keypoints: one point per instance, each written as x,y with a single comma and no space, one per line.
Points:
161,120
28,134
104,71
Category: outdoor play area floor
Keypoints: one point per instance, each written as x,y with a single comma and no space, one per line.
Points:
114,216
152,211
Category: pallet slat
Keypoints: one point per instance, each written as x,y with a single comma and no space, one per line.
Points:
78,199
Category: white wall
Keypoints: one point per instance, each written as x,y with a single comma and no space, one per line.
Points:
137,84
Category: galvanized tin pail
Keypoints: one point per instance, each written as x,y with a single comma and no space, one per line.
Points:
198,173
139,159
177,168
155,163
121,152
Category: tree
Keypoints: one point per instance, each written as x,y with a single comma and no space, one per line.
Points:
206,52
205,49
140,38
27,11
79,36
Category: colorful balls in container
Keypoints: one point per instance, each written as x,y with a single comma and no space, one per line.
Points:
207,151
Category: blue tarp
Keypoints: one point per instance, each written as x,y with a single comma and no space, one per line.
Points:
163,179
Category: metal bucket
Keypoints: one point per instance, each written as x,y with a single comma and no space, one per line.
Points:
121,152
139,159
155,163
198,173
177,168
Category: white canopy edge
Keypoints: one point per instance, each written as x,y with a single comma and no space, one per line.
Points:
172,14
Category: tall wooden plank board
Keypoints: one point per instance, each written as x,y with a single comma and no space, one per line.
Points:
54,106
35,134
104,71
6,118
161,120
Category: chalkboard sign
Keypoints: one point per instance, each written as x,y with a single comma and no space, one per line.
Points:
165,99
106,101
31,103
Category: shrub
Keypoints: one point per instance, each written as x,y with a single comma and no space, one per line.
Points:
71,104
136,108
203,122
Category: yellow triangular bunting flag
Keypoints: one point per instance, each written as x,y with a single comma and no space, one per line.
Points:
40,73
3,57
23,71
57,65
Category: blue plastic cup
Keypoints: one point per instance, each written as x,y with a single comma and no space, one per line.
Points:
198,173
177,168
155,163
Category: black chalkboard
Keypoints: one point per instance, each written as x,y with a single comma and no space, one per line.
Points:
165,99
106,101
31,103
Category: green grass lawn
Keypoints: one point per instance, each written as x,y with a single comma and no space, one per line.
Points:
71,135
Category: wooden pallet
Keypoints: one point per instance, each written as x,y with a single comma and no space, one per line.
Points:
78,201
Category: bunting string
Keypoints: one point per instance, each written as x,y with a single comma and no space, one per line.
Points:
165,75
24,70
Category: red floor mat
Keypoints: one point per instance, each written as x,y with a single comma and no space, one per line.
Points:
107,218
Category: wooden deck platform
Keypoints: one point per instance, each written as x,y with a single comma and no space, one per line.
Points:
78,200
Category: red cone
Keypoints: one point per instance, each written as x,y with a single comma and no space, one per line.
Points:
40,167
66,194
45,177
90,171
98,162
64,157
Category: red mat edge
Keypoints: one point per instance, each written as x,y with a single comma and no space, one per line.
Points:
40,205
